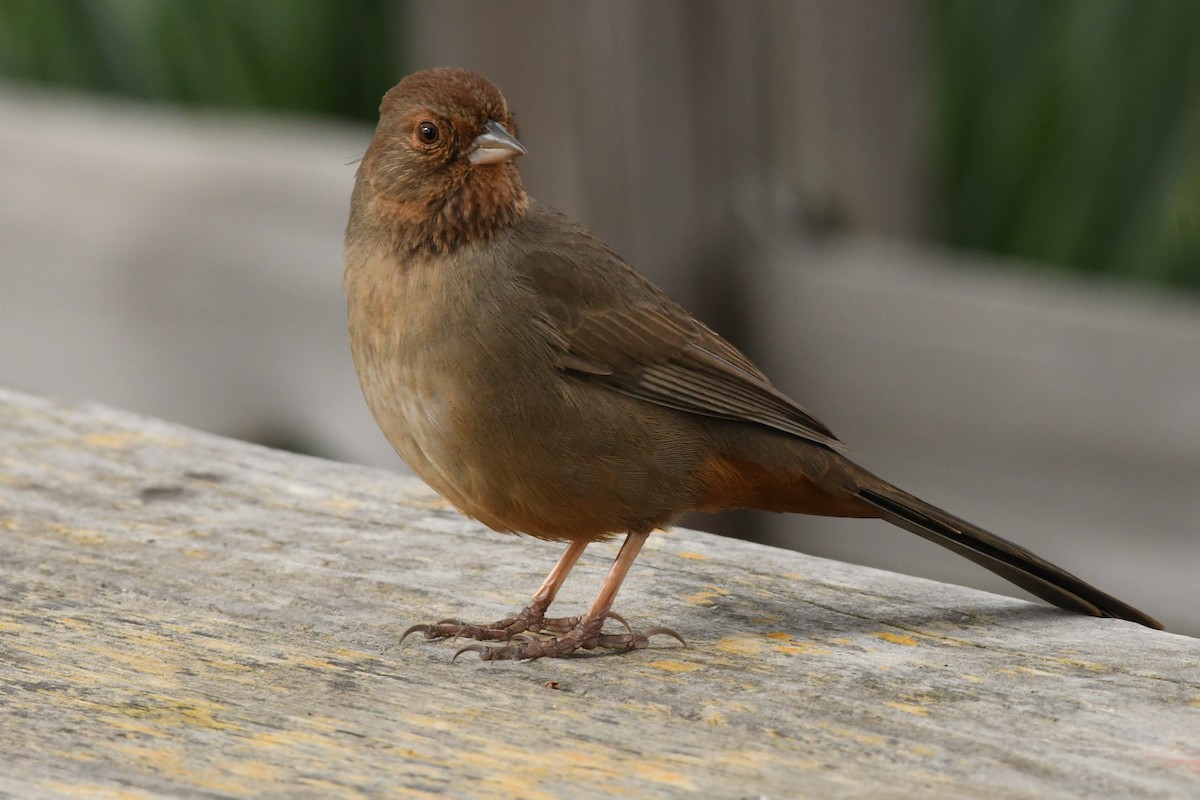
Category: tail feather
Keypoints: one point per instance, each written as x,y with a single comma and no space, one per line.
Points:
1010,561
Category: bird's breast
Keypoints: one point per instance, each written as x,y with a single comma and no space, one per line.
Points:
454,373
462,380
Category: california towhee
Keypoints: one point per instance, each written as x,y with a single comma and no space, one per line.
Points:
543,386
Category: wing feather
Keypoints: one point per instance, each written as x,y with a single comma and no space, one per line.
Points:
617,329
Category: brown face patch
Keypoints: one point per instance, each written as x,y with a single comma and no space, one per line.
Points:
415,185
459,95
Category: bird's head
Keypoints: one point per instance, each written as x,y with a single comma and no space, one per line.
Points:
439,169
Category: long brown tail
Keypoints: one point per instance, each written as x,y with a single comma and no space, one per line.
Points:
1010,561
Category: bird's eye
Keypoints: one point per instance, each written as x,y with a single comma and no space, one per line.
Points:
427,132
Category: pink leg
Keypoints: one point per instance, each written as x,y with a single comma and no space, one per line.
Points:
586,633
532,618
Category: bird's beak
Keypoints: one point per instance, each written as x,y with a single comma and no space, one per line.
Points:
494,145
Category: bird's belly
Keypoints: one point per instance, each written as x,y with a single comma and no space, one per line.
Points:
526,461
478,410
413,413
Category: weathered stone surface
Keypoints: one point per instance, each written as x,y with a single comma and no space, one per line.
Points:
184,615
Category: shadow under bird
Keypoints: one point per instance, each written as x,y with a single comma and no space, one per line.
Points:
544,387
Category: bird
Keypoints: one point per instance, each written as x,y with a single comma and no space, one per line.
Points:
544,387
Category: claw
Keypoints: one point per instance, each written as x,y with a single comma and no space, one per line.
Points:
585,636
515,652
620,619
664,631
519,632
636,640
426,629
469,648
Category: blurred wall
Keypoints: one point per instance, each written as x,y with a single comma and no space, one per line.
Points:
678,130
181,264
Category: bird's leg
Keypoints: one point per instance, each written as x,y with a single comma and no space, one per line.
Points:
586,633
530,619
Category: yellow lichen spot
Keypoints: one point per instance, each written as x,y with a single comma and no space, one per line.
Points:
94,791
114,441
73,624
122,440
923,750
294,740
908,708
271,739
640,708
12,626
1041,672
196,715
794,576
696,556
193,552
172,762
972,678
8,524
798,648
1195,702
154,715
868,739
667,665
357,655
80,535
706,595
740,646
255,770
589,758
340,504
763,761
712,716
1076,664
426,501
74,754
322,787
315,663
896,638
653,772
784,635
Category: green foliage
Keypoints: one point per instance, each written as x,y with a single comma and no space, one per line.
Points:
1069,132
325,56
1065,131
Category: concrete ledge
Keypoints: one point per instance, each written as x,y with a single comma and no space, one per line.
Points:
185,615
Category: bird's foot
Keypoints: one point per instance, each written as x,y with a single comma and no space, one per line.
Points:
586,634
529,620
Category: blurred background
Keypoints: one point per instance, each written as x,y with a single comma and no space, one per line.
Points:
966,234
